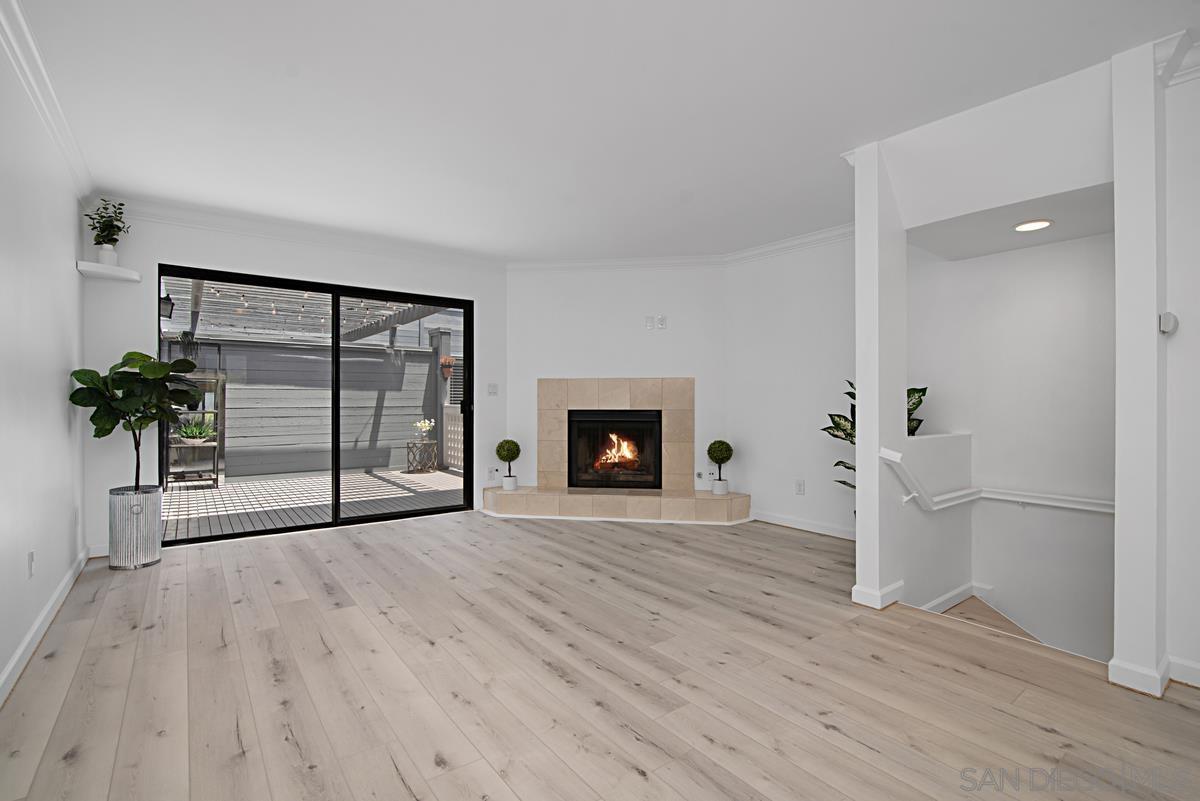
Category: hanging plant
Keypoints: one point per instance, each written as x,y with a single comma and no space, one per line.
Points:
843,427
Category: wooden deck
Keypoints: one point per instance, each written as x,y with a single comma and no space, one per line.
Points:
247,506
461,657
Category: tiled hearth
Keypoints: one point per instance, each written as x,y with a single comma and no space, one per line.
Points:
679,501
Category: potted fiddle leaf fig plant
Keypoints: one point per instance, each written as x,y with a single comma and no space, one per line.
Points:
135,393
720,452
508,451
107,223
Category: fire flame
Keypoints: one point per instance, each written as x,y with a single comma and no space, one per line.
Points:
623,453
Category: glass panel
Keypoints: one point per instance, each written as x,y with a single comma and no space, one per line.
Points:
264,460
401,424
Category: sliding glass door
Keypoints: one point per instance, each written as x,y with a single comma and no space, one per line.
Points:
401,371
322,404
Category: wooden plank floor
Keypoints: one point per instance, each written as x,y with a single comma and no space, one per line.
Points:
464,657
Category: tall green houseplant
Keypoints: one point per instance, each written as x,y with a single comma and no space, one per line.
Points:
135,393
843,427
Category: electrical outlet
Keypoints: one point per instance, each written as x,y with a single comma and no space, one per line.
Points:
699,474
712,473
649,322
799,486
493,474
31,556
661,321
493,390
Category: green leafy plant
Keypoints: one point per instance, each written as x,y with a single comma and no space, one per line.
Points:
508,451
196,429
107,222
719,452
135,393
843,426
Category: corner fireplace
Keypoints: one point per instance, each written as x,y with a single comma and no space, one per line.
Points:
614,448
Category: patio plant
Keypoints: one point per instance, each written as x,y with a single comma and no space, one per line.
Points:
107,222
135,393
843,427
195,430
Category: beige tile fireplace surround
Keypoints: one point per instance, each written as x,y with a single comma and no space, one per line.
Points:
679,500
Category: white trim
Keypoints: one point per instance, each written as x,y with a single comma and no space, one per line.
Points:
490,513
24,652
828,529
952,598
110,272
877,599
1185,671
813,239
97,551
1139,678
1177,58
23,52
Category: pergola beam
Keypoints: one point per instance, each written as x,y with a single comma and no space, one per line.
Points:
394,320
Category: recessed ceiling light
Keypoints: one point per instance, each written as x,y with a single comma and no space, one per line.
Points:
1032,225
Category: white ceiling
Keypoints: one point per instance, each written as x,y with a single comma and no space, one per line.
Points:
543,129
1074,214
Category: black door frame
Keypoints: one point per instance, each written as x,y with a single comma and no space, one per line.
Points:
336,292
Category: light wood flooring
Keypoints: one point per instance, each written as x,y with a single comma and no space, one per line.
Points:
467,658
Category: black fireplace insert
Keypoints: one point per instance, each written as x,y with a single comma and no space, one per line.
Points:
614,448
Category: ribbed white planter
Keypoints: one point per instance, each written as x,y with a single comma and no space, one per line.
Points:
508,482
134,527
106,254
720,486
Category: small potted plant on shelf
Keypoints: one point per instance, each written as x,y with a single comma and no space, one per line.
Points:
135,393
195,432
423,428
447,363
508,451
107,223
720,452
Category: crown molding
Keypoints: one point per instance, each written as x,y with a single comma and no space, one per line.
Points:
27,61
1177,58
814,239
227,221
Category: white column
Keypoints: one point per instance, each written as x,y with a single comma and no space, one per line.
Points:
1139,616
881,372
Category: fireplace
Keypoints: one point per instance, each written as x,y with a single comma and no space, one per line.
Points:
614,448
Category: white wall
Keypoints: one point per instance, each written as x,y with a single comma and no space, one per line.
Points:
789,323
119,317
1051,138
1017,348
1183,380
40,332
582,322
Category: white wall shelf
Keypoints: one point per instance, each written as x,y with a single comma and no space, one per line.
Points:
107,272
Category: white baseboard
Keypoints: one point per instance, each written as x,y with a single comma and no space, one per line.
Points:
952,598
1136,677
877,599
805,525
97,550
1185,671
12,670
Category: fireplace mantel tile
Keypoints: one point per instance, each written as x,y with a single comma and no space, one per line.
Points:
583,393
679,393
678,425
645,393
613,393
552,393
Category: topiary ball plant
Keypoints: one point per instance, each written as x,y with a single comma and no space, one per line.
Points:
508,451
719,452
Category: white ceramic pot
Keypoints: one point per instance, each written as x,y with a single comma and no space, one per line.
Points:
106,254
720,486
193,442
508,482
134,527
